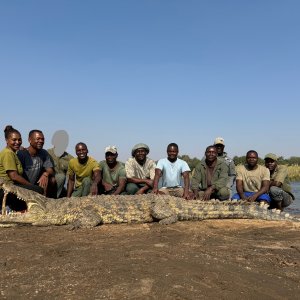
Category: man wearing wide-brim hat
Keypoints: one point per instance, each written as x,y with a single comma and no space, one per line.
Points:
140,170
280,189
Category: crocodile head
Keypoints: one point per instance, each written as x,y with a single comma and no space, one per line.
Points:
35,204
43,211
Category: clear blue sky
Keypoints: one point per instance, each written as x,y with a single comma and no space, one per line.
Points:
124,72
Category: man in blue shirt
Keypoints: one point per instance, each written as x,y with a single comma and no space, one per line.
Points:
171,170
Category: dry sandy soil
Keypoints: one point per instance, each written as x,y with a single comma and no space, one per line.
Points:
216,259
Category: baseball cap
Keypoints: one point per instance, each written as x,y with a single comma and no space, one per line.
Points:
271,156
111,149
219,140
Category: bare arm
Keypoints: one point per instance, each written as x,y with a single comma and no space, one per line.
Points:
146,181
15,177
186,180
240,188
155,181
70,186
96,180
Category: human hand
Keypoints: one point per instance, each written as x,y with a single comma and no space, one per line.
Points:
107,186
43,181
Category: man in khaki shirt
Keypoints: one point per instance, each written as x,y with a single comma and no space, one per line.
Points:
252,180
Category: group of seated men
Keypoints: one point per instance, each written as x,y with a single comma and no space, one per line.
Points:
213,178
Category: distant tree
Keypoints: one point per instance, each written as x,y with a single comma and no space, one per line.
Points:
282,161
294,160
242,160
192,162
261,161
239,160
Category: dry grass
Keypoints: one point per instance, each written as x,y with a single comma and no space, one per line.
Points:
294,172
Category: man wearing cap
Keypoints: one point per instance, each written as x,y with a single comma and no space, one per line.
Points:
220,145
252,180
140,170
280,189
113,173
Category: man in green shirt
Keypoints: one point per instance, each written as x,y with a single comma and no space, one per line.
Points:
222,155
113,173
280,189
210,177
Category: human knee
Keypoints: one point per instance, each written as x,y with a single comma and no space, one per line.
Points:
131,188
87,181
264,198
223,193
274,190
236,196
275,193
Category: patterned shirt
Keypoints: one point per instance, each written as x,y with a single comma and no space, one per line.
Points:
135,170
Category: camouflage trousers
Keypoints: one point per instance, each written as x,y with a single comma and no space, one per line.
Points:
279,195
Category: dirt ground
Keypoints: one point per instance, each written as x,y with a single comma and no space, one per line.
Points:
216,259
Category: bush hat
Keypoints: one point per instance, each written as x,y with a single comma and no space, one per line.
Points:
271,156
138,146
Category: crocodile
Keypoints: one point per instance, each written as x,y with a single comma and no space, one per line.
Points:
91,211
